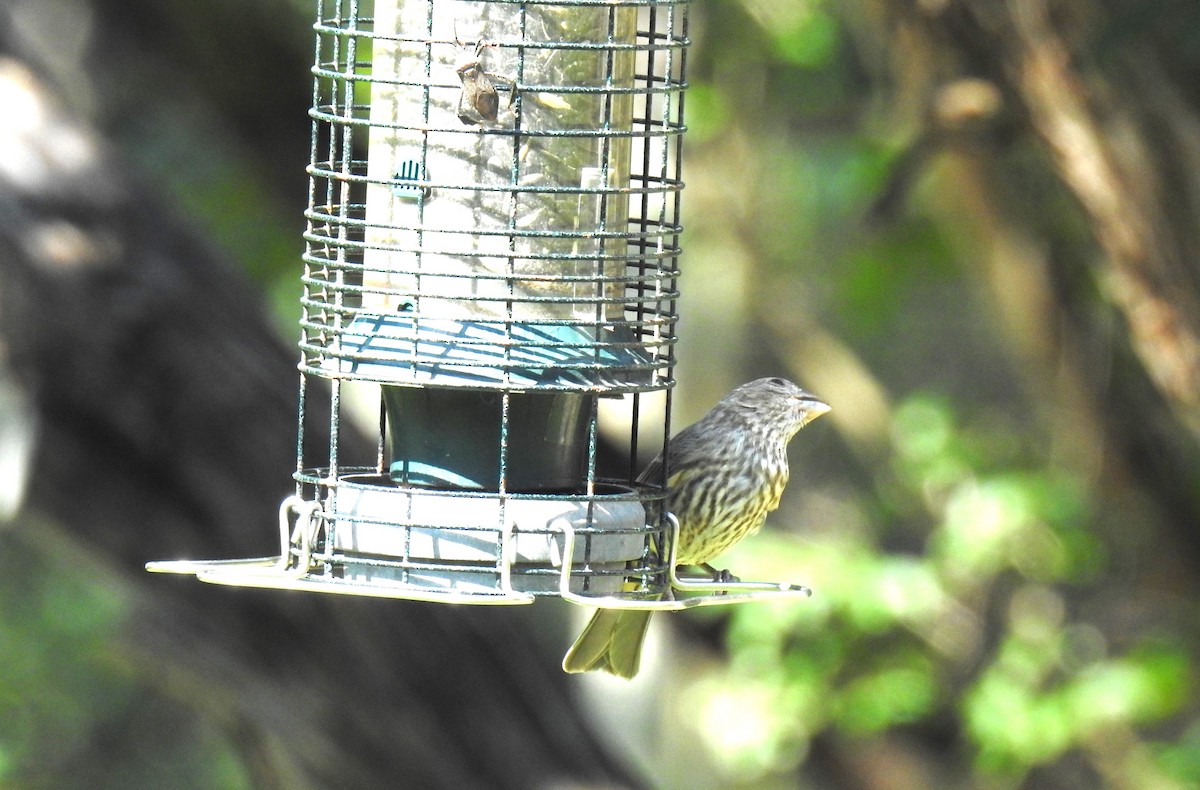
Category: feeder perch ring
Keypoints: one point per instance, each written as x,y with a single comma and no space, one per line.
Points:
707,593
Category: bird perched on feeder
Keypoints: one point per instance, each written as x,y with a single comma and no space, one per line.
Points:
726,473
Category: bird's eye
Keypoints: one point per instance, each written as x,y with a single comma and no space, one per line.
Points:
777,382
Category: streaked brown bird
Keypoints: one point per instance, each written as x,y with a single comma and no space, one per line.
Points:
727,472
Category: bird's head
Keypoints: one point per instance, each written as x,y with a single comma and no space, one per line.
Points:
779,403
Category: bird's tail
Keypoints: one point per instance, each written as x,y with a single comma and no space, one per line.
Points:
611,642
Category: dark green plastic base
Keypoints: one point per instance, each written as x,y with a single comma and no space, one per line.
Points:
448,438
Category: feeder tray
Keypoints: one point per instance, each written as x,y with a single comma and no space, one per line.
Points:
453,565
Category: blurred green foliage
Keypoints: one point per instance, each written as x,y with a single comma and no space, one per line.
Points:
891,639
72,712
52,639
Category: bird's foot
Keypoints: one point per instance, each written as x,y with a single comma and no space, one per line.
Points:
720,576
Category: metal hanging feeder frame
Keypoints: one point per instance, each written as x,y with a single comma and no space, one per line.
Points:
523,251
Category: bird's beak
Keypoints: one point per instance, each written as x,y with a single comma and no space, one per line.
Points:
813,408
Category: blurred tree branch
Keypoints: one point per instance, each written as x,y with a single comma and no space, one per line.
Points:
1122,139
1110,111
1126,146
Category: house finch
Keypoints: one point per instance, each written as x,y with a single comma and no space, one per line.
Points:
726,473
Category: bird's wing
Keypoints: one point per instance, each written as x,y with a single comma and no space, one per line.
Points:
652,474
682,446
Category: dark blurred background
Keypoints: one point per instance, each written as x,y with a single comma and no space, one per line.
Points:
973,228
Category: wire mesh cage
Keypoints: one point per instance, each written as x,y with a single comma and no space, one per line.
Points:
492,242
511,243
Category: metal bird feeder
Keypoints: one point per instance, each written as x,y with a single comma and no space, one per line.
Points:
492,242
